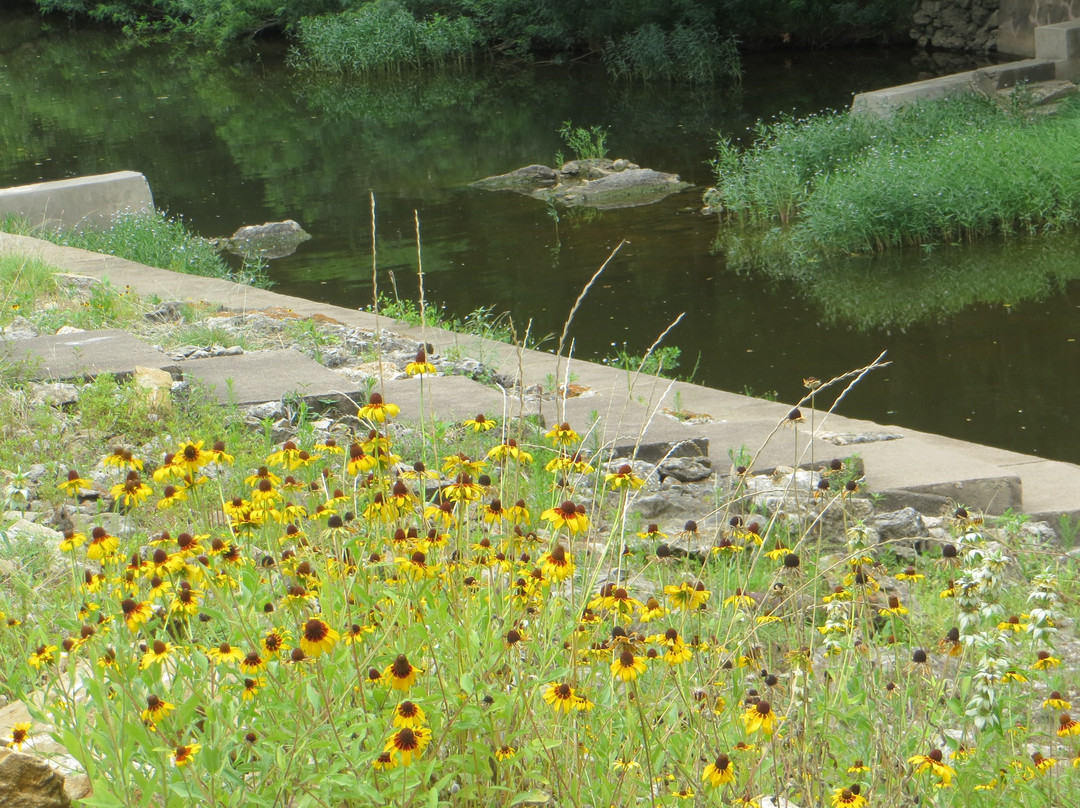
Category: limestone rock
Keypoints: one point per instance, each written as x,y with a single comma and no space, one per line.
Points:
906,523
27,781
530,176
269,240
686,469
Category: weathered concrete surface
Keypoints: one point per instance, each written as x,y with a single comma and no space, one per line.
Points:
989,80
84,355
262,376
90,202
1060,44
1019,19
448,398
888,100
929,472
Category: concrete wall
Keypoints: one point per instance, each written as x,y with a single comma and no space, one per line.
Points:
79,202
1017,20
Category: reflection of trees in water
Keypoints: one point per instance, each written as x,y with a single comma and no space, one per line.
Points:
912,286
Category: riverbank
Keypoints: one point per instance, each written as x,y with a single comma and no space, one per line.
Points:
916,467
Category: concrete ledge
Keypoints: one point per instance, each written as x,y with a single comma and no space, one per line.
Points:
85,355
90,202
887,101
989,80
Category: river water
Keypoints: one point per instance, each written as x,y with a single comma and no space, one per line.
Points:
982,338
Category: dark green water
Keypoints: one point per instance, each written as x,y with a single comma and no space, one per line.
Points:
982,339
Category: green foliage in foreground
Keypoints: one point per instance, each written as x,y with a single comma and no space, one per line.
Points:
943,171
152,238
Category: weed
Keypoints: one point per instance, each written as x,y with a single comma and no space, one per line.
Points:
586,144
661,362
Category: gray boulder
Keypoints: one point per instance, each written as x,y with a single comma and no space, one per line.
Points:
528,177
269,240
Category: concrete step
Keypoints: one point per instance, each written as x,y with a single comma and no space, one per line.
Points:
84,355
263,376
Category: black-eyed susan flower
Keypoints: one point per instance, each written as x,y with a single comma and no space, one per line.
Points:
509,450
185,754
480,423
378,410
186,601
739,600
158,651
910,574
384,762
760,716
566,515
136,613
684,794
557,564
848,797
858,767
72,540
652,533
463,489
624,477
409,714
627,666
224,654
408,743
719,772
1067,725
562,697
1045,661
934,764
563,435
102,545
316,637
505,753
420,365
518,513
401,674
156,709
652,610
190,457
894,609
122,458
252,663
687,596
1056,702
74,483
20,732
1042,764
252,686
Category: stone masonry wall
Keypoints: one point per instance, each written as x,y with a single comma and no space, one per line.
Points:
964,25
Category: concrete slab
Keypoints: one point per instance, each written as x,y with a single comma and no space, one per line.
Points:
988,80
85,355
90,202
890,99
262,376
447,398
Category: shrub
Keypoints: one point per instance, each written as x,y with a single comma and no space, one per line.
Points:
685,53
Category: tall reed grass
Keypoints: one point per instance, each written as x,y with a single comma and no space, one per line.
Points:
382,38
945,171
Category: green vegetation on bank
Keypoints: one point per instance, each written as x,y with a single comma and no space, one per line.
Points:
945,171
154,239
693,40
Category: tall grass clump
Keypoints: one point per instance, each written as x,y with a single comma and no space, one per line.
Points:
382,38
942,171
152,238
685,53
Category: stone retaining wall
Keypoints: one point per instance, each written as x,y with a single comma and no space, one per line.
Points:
964,25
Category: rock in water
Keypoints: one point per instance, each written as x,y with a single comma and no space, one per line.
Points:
27,781
269,240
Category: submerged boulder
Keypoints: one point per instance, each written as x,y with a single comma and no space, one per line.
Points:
596,183
268,240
